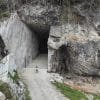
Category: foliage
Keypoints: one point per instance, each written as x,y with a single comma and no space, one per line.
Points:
4,14
5,88
70,93
4,9
68,11
3,5
96,97
73,94
27,94
14,77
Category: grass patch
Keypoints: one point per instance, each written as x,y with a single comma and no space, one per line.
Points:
96,97
70,93
27,94
4,9
4,14
5,88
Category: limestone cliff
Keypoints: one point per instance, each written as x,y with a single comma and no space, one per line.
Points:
74,37
19,40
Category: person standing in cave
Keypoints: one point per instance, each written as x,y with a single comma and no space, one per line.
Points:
36,70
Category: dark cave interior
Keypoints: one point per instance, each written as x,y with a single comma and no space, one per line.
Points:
60,59
3,51
42,34
63,58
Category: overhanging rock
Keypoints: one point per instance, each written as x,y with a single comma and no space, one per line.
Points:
19,40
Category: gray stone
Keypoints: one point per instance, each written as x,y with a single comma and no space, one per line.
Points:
19,40
2,96
73,45
75,53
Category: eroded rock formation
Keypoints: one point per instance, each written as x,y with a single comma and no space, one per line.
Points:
74,52
74,34
19,40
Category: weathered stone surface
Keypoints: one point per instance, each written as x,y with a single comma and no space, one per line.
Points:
2,96
19,40
74,45
17,89
74,52
40,14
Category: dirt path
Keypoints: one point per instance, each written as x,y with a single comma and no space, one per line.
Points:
41,61
38,83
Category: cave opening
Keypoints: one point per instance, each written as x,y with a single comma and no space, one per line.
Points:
42,35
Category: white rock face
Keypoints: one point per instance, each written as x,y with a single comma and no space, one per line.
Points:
73,50
19,40
7,64
2,96
4,67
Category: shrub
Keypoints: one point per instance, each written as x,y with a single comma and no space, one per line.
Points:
5,88
14,77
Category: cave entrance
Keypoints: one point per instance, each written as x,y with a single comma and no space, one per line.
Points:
42,35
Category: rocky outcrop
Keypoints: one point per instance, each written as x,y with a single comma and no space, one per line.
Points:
74,41
19,40
18,90
74,52
40,14
2,96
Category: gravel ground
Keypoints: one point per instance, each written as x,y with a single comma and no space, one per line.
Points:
39,83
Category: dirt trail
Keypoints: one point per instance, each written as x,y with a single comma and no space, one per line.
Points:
39,83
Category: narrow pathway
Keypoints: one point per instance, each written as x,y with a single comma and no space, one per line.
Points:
39,83
41,61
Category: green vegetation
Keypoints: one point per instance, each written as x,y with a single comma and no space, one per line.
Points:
70,14
96,97
70,93
27,95
4,14
14,77
5,88
3,9
73,94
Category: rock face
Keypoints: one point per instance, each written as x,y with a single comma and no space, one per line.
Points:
74,52
17,90
74,47
2,96
19,40
74,38
39,14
